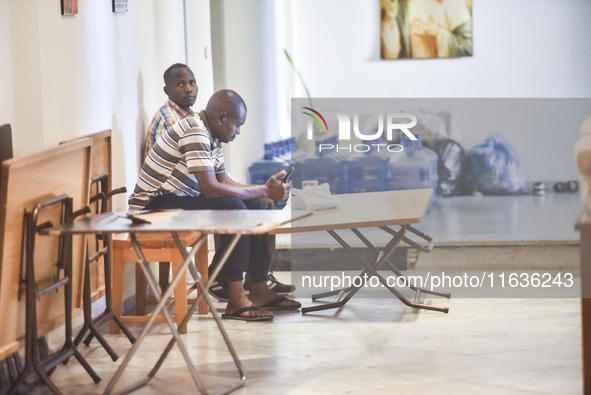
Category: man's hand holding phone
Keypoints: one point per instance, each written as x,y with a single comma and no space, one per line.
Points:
279,185
284,180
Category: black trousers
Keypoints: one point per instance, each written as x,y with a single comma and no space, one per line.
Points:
251,253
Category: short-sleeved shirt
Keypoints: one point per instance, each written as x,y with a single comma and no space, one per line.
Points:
169,114
186,148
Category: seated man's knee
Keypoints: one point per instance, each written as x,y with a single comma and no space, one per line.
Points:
256,204
230,203
268,204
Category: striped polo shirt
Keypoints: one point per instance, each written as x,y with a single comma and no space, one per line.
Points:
184,149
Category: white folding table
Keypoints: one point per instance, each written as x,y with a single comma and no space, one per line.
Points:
382,210
236,222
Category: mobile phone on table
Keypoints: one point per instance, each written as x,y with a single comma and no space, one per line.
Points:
284,180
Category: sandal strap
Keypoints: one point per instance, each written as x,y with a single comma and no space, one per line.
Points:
245,309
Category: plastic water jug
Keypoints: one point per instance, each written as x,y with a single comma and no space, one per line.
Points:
367,173
325,167
415,170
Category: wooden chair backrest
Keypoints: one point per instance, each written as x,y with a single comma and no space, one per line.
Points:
26,181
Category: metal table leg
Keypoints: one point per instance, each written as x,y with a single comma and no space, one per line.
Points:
91,325
204,294
162,299
33,364
100,205
418,290
388,250
372,270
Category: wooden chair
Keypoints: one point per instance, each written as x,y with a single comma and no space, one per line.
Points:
156,248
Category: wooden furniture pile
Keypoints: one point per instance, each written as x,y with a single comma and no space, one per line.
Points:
39,190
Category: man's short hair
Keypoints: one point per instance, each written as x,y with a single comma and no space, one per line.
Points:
226,100
169,71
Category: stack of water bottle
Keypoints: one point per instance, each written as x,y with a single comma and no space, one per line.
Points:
415,167
324,166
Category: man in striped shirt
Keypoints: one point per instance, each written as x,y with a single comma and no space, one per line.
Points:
185,169
181,88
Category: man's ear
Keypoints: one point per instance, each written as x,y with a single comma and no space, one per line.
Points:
165,89
222,117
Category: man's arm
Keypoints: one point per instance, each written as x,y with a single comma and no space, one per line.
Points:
214,186
223,177
157,127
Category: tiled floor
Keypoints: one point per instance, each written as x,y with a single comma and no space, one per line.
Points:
380,346
373,346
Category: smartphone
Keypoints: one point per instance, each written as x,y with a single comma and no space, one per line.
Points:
284,180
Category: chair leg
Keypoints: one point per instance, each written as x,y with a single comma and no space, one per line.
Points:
163,274
180,291
117,277
141,287
202,260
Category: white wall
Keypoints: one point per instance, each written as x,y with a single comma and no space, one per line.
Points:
7,114
67,76
63,77
522,49
248,39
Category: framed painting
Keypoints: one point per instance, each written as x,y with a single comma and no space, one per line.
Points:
425,29
69,7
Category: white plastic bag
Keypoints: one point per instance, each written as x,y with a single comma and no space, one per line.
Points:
313,198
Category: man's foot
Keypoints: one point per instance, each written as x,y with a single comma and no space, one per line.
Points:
241,308
274,285
220,291
261,295
281,303
251,313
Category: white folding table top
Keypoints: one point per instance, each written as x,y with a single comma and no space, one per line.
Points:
207,221
360,210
